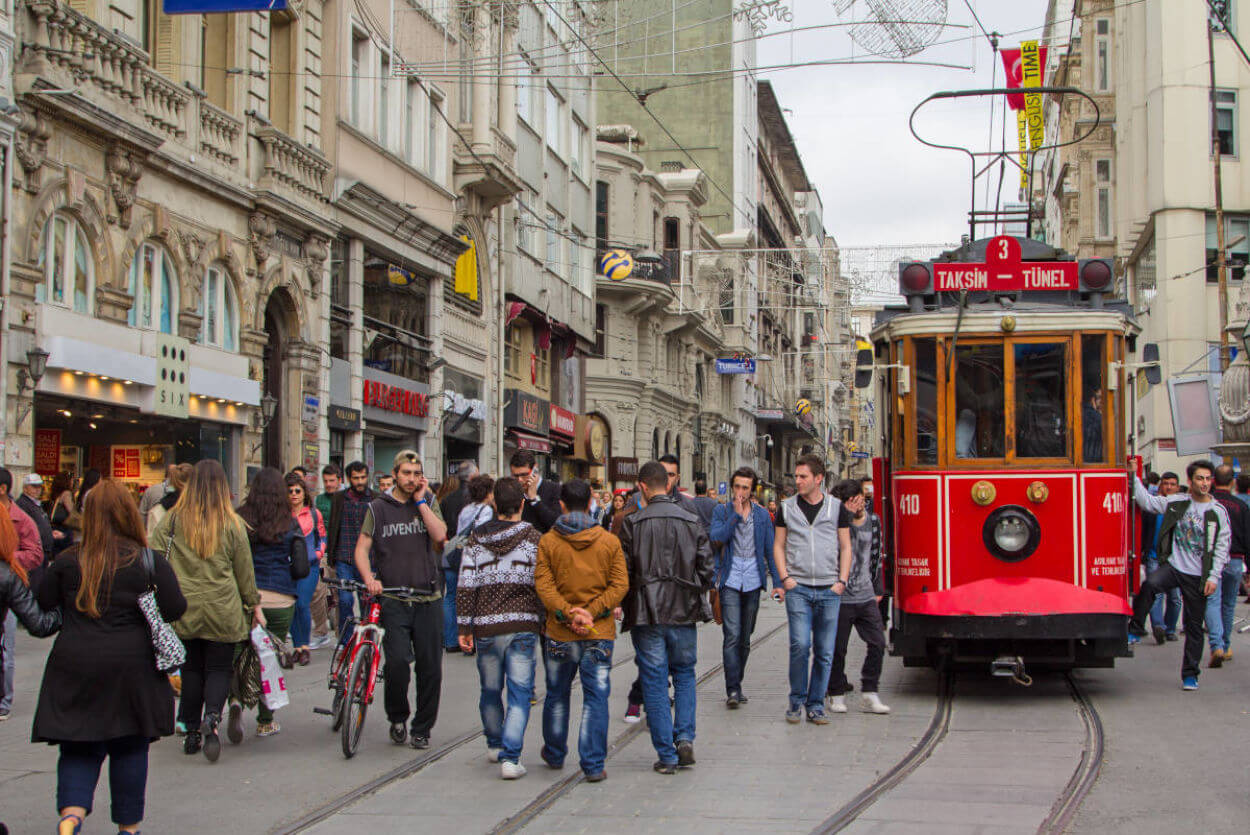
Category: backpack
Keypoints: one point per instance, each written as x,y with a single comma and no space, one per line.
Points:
453,551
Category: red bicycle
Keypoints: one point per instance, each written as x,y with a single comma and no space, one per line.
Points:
354,665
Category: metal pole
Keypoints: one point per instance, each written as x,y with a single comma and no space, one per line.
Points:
1220,265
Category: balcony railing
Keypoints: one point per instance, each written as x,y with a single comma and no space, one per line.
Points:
290,164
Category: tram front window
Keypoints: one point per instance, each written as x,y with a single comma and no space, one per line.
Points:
1041,413
979,401
926,401
1093,363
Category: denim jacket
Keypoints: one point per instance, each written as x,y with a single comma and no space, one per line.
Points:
724,521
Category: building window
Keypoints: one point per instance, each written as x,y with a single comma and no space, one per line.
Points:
154,288
672,248
396,310
1102,190
68,275
1226,121
524,225
727,299
553,242
412,115
577,149
283,69
1222,16
219,325
555,122
434,136
525,89
1236,245
384,102
1102,55
601,215
360,76
513,348
601,331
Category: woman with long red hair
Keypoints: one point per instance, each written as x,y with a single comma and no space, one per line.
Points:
15,593
102,696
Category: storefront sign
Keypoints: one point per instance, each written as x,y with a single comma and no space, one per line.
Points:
312,408
47,451
396,399
173,369
563,422
126,462
730,366
623,469
531,443
343,417
462,394
769,414
525,411
312,456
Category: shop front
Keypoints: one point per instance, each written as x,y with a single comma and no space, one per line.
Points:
590,449
396,412
527,425
464,419
623,472
563,434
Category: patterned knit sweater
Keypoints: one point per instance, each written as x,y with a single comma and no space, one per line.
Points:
495,594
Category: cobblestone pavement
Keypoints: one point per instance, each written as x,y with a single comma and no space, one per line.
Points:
1173,759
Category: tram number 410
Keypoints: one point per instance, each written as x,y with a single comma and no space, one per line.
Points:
1113,503
909,504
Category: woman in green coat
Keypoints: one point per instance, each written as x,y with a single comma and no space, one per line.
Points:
207,547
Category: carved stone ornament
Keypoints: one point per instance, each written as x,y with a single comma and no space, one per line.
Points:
316,251
192,246
261,228
123,169
33,133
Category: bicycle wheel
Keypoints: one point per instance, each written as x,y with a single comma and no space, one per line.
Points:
340,673
355,700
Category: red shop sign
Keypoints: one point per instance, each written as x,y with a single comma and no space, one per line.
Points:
563,422
396,399
47,451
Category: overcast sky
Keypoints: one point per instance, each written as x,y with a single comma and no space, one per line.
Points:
878,184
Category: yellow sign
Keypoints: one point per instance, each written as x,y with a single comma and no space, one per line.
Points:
1022,133
466,270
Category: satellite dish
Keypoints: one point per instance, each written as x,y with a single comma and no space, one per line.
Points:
893,28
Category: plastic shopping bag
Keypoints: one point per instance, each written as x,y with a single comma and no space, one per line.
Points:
272,682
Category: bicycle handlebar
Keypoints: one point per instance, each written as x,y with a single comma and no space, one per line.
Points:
355,585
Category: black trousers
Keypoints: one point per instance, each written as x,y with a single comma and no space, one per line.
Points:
1160,581
866,619
205,680
414,639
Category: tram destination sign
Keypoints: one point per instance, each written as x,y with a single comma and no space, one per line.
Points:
1003,271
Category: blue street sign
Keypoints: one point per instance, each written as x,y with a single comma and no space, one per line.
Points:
722,488
222,6
858,454
735,366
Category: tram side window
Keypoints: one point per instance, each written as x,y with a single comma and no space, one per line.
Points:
926,401
979,401
1093,384
1041,410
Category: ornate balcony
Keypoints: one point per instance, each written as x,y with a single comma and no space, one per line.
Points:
290,165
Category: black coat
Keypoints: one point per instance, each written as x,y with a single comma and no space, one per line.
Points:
15,596
34,511
543,513
670,565
451,507
101,680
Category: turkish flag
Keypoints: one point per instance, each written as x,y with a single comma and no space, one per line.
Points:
1015,73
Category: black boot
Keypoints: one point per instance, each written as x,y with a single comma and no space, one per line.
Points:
191,742
212,741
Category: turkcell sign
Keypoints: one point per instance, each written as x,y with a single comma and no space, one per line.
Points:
1047,275
730,366
222,6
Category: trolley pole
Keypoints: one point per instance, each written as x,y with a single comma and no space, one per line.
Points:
1221,266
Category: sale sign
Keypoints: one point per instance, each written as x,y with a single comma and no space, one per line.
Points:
47,451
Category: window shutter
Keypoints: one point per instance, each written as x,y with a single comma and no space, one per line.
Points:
165,53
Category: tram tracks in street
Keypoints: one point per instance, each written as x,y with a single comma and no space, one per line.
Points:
1065,806
553,793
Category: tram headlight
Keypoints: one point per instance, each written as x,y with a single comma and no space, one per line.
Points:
1011,533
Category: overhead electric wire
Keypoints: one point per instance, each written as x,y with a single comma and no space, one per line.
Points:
1226,30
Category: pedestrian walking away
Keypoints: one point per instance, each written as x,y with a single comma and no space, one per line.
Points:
1194,538
499,615
28,552
859,606
312,530
812,550
477,510
206,544
17,599
581,578
1221,606
743,531
397,546
669,560
347,514
102,695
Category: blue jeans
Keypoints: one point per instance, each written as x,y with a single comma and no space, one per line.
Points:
1158,617
563,660
738,611
1222,604
301,623
509,658
813,614
347,571
78,771
450,634
662,651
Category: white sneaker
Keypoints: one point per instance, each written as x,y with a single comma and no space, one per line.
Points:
511,770
872,704
836,704
322,641
492,754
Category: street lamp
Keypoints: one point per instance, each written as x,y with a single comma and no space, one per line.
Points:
268,407
28,378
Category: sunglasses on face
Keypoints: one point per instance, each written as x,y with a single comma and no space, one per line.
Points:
295,491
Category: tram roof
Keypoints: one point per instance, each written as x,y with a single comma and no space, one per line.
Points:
983,318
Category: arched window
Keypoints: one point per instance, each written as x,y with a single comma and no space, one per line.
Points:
68,276
668,442
655,444
154,286
219,310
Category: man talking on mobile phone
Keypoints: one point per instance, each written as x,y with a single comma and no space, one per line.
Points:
542,497
399,539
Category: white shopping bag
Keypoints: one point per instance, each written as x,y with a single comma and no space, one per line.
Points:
272,683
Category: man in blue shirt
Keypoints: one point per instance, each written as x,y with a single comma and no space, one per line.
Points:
743,531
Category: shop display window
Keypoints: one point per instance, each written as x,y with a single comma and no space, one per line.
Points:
66,262
219,326
154,288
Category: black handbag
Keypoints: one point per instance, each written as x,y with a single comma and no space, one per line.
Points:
300,564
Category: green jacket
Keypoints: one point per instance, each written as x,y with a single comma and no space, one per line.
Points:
1167,531
323,502
220,590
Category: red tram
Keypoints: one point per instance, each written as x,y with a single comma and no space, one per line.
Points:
1005,493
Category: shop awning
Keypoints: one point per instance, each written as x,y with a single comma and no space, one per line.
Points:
534,443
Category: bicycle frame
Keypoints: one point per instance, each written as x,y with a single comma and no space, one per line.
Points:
369,631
